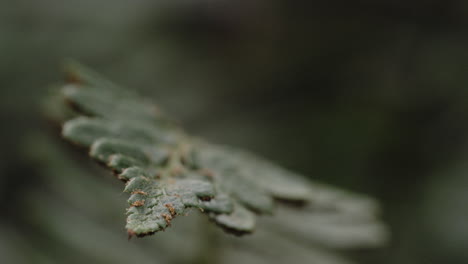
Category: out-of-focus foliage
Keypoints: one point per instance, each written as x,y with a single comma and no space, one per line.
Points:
368,95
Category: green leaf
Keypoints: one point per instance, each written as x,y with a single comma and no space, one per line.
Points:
167,172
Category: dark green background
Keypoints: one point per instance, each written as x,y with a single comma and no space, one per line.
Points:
368,95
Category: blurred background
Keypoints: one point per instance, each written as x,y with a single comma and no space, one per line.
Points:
367,95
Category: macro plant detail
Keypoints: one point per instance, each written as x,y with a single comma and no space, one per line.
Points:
167,173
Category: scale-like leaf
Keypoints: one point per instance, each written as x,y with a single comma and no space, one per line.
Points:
166,171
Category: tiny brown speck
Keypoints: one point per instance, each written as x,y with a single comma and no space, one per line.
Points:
171,209
138,203
139,192
130,233
73,78
168,219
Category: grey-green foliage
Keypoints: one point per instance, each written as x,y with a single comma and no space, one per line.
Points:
73,187
77,193
167,172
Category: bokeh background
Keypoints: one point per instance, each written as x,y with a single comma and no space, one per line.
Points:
368,95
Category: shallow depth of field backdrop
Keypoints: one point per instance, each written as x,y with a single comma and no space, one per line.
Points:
371,96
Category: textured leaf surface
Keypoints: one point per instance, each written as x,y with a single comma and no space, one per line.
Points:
307,234
168,172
